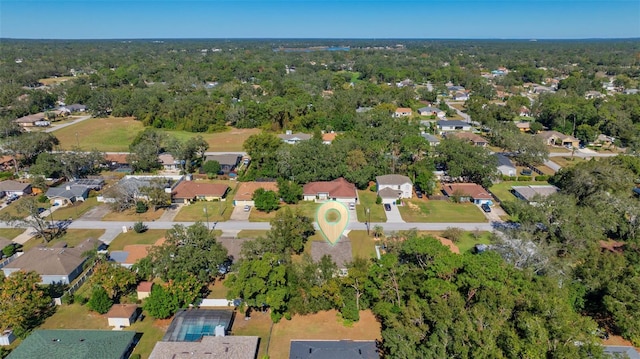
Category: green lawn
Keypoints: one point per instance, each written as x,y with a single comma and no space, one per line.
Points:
502,190
251,233
362,245
11,233
567,161
368,201
72,237
308,209
152,332
151,236
418,210
114,134
468,241
12,209
218,211
76,210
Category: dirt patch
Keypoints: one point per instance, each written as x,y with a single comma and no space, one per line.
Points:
447,242
618,340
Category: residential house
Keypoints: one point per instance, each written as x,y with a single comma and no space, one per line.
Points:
431,111
132,253
555,138
134,186
460,96
402,112
229,347
76,107
621,351
590,95
433,140
533,192
228,161
453,125
524,126
7,163
327,138
35,120
363,109
122,315
334,349
393,187
467,192
190,191
631,91
144,289
604,141
455,88
11,187
505,166
169,163
472,138
294,138
57,264
244,194
524,112
7,337
76,343
339,190
71,192
116,160
539,89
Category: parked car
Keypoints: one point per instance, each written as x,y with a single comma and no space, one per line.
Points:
387,207
352,206
247,208
41,209
485,207
418,194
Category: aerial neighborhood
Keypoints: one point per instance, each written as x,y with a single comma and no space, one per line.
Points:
480,201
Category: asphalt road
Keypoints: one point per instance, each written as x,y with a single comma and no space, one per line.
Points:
55,128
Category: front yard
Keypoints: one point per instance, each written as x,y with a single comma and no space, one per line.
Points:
131,215
368,201
362,245
308,209
72,238
218,211
76,210
150,236
431,211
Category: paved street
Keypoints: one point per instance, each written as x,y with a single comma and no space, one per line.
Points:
57,127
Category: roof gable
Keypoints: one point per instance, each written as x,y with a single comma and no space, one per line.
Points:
466,189
338,188
192,189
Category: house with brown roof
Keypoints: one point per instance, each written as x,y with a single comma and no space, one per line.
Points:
337,190
244,194
190,191
57,264
34,120
555,138
169,163
144,289
11,187
7,163
474,139
402,112
115,160
122,315
327,138
132,253
467,192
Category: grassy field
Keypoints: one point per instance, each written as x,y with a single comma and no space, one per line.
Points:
131,215
502,190
251,233
72,237
368,200
151,236
566,161
217,290
114,134
418,210
55,80
11,233
12,208
218,211
308,208
76,210
362,245
467,242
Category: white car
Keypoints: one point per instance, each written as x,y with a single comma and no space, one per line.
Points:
247,208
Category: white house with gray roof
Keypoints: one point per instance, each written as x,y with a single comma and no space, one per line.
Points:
293,138
11,187
505,166
393,187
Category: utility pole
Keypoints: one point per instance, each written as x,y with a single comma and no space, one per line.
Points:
206,212
368,220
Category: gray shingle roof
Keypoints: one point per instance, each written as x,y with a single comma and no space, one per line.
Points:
67,192
393,180
504,160
229,347
333,349
449,123
11,185
228,159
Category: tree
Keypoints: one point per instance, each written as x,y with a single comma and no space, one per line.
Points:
24,303
47,165
27,146
28,216
188,250
165,300
289,191
140,227
262,149
266,201
160,304
211,168
189,152
114,279
156,194
99,301
145,148
141,207
471,163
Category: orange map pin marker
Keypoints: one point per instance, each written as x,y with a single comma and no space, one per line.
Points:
332,218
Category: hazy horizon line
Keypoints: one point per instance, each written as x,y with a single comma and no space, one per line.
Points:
325,38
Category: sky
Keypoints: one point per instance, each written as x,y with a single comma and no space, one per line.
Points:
370,19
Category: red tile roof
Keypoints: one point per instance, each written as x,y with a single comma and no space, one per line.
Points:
338,188
192,189
145,287
468,189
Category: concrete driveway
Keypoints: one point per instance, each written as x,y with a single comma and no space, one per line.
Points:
494,215
393,216
239,214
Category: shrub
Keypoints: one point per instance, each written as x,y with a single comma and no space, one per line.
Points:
378,200
524,178
141,207
99,301
140,227
79,298
453,233
42,198
67,298
9,250
373,188
542,178
135,356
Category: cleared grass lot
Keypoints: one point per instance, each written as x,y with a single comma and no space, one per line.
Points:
502,190
308,209
151,236
72,238
368,200
427,211
114,134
